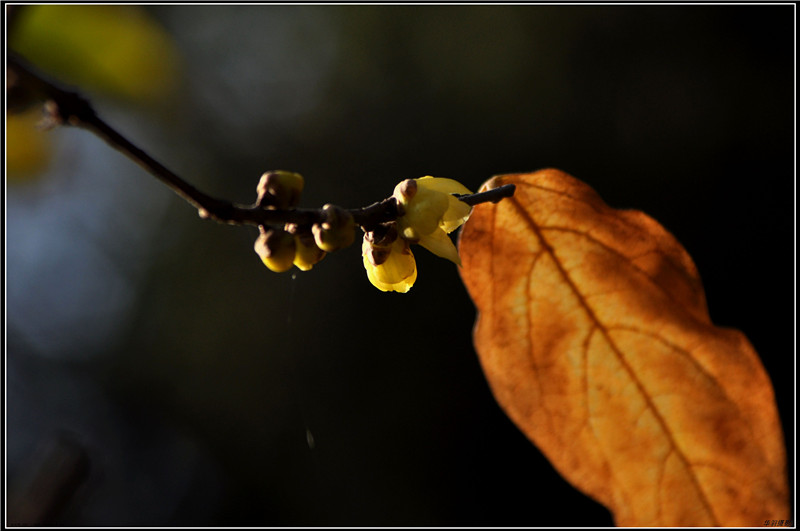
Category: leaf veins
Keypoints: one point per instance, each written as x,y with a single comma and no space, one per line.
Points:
594,335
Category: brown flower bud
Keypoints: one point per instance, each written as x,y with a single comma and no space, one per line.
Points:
277,249
336,230
405,191
279,189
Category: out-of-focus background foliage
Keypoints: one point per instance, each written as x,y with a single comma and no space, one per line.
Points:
155,361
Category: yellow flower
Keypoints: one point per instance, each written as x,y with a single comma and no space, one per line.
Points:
431,213
389,267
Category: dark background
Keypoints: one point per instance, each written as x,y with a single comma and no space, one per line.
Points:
191,377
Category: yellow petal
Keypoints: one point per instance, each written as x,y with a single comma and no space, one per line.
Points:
424,211
443,185
440,244
397,273
401,287
398,266
408,233
456,214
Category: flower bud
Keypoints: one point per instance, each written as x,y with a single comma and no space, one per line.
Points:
405,191
277,248
337,229
279,189
307,253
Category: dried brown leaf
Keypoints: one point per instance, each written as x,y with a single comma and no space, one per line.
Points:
594,336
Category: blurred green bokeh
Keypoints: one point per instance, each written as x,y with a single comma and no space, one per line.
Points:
207,390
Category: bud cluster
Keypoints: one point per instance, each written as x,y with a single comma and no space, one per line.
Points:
280,248
427,210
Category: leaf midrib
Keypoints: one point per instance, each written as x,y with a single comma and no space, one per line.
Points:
629,370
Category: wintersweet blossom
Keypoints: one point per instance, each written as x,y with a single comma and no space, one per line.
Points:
430,213
389,267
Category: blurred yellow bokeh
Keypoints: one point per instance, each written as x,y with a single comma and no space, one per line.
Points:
28,147
117,50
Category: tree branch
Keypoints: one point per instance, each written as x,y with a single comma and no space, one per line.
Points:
65,107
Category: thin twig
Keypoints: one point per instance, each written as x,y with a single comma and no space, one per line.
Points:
70,108
494,195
